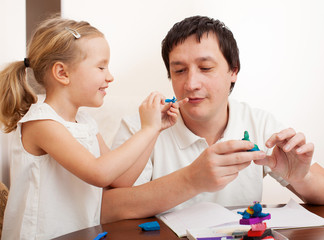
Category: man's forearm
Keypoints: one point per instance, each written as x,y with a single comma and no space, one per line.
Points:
148,199
312,190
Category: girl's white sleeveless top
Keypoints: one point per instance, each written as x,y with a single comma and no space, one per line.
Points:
46,200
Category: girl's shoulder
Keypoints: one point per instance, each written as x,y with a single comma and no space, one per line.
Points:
43,111
40,111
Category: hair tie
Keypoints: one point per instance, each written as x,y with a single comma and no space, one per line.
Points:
26,62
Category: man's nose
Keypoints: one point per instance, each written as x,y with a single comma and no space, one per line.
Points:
192,81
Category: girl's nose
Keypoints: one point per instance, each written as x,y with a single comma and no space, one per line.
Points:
109,77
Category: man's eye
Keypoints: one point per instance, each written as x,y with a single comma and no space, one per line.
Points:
205,69
179,71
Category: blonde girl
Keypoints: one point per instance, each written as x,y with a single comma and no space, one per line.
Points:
60,162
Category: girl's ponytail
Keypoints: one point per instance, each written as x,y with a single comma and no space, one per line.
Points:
16,95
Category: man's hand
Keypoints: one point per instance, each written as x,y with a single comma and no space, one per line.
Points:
220,164
291,156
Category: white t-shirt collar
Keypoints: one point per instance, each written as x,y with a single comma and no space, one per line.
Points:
184,137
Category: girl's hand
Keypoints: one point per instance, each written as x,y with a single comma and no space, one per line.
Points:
150,111
157,114
170,113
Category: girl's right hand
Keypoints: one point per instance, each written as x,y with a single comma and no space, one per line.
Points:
150,111
170,113
157,114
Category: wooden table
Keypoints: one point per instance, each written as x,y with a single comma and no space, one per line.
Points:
128,229
316,233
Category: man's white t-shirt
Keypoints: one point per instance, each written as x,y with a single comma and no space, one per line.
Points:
177,147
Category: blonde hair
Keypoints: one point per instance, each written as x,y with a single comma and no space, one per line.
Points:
53,40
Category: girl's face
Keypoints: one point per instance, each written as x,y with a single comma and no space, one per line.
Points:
89,78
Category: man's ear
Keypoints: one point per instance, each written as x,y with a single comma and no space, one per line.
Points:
59,71
234,74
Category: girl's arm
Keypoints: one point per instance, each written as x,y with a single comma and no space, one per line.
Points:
169,116
47,136
128,178
102,145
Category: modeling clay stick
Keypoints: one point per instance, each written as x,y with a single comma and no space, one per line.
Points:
100,236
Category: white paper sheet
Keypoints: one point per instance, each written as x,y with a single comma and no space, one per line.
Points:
204,214
207,214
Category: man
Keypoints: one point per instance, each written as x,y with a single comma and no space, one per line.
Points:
201,158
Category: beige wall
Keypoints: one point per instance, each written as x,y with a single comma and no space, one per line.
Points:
280,45
12,48
17,20
281,49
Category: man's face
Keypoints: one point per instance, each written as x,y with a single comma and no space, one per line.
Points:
200,72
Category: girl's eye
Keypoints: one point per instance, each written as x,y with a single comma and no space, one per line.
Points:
101,68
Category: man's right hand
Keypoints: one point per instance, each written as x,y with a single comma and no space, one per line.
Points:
220,164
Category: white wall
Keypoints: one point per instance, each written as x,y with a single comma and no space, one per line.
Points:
281,51
12,48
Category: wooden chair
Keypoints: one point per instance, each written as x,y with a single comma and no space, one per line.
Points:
3,202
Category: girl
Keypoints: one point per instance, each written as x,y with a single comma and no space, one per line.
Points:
60,163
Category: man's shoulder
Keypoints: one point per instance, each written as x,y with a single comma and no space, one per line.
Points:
240,107
132,122
250,117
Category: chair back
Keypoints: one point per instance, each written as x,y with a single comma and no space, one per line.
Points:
3,202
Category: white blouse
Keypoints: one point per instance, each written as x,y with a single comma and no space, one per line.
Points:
46,200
